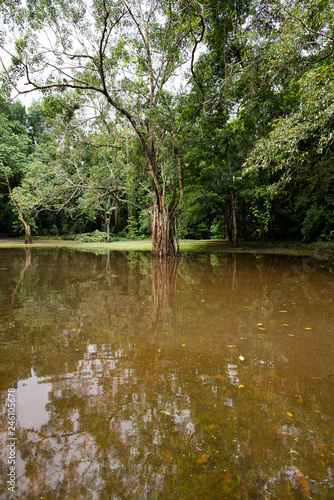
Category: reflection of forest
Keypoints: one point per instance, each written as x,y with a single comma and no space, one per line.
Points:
149,396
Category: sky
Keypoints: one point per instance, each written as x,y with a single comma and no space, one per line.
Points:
47,39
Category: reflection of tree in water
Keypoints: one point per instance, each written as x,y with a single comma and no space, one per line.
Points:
133,412
22,273
164,274
125,426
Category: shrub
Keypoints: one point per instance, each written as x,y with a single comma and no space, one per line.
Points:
94,237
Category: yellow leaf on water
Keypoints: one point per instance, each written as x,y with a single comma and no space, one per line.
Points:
202,459
260,328
240,386
289,414
285,324
307,328
183,345
283,311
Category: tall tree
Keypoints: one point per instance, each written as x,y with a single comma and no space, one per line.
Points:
130,53
15,146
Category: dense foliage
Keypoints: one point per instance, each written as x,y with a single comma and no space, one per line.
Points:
240,145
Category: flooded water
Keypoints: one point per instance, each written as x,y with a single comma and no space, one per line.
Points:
206,377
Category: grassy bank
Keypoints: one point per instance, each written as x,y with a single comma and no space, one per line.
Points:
319,250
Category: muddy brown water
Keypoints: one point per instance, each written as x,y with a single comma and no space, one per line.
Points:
206,377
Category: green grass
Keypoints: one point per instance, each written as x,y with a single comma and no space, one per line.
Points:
319,250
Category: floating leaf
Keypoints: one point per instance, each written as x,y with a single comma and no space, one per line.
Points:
165,412
183,345
260,328
285,324
290,335
202,459
243,338
289,414
283,311
231,346
241,358
259,324
240,386
307,328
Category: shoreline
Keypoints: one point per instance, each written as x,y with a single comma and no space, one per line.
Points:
318,250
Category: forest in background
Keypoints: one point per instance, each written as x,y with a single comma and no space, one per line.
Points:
239,145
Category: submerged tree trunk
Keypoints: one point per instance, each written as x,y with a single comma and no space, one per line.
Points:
165,242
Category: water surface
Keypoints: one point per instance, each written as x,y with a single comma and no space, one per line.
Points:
201,378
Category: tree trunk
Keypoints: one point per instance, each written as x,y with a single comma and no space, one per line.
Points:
165,242
27,237
233,199
108,229
116,213
228,229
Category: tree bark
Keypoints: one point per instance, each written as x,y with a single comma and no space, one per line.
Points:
27,228
228,229
108,229
233,199
165,241
116,213
27,237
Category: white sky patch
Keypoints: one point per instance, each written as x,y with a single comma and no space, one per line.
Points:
47,39
32,397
